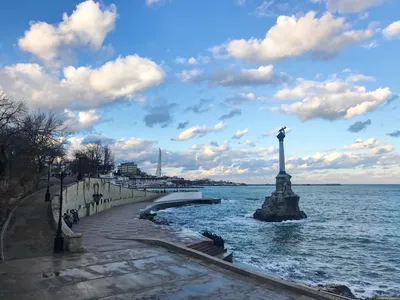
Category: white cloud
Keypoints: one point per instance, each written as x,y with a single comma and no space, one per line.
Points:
219,126
88,25
330,100
372,143
209,151
377,163
382,149
351,6
293,36
347,70
239,133
392,31
188,75
198,131
261,75
371,45
263,9
134,144
240,2
360,77
153,2
180,60
276,131
231,77
249,144
80,121
245,97
192,60
360,144
87,87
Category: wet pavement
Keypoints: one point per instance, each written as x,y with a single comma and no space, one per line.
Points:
142,272
30,233
122,222
113,268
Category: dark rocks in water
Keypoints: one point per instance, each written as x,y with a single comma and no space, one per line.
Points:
152,217
262,215
218,241
147,216
282,205
338,289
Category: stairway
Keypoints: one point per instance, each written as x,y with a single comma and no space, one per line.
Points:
209,248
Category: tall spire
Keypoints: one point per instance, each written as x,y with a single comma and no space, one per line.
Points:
158,172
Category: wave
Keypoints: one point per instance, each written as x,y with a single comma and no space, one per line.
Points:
339,242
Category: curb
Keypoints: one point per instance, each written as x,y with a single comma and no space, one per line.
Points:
270,281
5,225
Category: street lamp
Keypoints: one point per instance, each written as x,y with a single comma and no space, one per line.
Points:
80,157
59,239
47,197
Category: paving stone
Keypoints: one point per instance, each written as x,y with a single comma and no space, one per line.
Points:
142,273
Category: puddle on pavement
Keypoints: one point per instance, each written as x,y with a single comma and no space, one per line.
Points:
202,289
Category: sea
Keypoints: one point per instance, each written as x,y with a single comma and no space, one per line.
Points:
351,235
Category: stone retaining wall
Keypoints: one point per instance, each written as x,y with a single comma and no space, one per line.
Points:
80,196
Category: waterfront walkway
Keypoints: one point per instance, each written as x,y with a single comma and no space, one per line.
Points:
116,268
29,232
121,222
142,272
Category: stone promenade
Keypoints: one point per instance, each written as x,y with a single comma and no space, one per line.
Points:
142,272
29,232
121,269
122,222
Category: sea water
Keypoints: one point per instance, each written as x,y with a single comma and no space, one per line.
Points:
351,235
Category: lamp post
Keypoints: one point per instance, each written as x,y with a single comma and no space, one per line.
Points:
47,197
59,239
80,157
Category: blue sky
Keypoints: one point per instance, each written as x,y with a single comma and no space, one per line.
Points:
209,82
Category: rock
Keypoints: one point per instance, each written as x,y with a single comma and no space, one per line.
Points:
147,216
338,289
282,205
218,241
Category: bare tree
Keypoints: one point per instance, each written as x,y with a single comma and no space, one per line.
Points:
108,160
93,159
11,113
46,136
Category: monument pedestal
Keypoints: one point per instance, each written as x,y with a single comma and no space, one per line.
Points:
282,205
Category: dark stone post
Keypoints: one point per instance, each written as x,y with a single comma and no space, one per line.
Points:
59,239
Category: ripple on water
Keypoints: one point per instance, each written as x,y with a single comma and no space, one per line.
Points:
344,240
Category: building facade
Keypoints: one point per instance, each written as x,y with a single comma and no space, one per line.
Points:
128,169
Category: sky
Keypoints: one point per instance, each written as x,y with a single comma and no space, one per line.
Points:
211,82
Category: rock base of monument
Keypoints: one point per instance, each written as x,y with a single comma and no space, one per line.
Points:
282,205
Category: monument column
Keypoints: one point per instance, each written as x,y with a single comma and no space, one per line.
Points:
281,137
283,204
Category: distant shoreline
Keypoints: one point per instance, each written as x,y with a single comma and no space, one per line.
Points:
299,184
